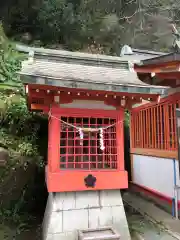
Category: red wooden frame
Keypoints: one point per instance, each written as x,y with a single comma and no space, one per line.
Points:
153,126
76,153
41,96
59,180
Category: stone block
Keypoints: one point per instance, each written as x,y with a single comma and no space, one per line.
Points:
64,201
105,217
66,213
47,215
94,215
63,236
110,198
120,221
118,214
87,199
56,223
75,219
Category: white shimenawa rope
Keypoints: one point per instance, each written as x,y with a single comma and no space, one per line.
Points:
102,147
81,131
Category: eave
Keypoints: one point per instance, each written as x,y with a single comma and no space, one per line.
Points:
96,86
167,58
169,67
41,97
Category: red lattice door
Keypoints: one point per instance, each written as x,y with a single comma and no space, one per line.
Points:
87,153
86,150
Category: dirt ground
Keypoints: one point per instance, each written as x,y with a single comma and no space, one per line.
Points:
137,224
9,232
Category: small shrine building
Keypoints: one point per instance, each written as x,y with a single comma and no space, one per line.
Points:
85,97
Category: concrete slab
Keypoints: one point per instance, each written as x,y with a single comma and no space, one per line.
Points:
154,213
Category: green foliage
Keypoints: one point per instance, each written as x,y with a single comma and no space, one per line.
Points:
127,118
18,134
18,146
54,17
10,62
77,25
26,148
19,129
15,217
16,118
91,25
18,126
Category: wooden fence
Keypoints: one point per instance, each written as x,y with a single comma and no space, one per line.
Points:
153,126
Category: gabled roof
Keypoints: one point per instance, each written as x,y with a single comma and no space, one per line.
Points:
85,71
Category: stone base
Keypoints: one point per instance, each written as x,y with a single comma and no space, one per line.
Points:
71,211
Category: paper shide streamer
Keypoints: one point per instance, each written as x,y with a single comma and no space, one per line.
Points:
81,135
102,147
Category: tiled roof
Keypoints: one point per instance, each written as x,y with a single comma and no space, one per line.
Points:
81,70
52,53
147,52
162,59
59,54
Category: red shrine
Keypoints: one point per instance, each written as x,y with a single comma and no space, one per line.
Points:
154,134
85,97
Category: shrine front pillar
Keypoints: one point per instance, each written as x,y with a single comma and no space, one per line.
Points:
54,143
120,139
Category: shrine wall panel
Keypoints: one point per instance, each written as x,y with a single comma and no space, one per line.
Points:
155,174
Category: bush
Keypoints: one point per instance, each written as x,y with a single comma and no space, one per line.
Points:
16,118
10,61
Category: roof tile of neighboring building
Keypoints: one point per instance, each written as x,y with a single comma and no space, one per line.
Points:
170,57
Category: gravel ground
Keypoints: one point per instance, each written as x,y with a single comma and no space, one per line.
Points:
149,231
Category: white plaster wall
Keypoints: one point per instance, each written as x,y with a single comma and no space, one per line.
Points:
86,104
155,173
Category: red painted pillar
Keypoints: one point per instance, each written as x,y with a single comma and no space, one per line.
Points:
120,139
54,144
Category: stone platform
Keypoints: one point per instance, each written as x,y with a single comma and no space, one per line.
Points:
66,213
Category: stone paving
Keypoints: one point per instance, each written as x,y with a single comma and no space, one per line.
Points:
163,226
